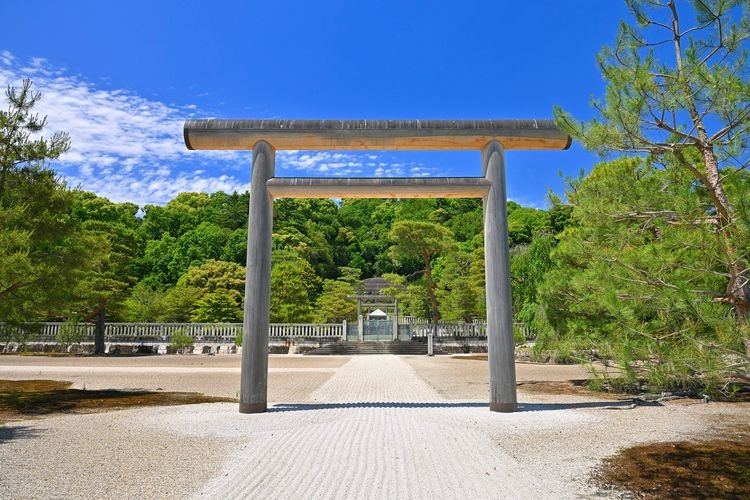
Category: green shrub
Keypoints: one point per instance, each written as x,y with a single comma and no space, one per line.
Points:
21,333
181,341
70,333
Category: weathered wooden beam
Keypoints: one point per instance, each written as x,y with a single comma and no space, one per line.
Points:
256,321
374,134
500,343
379,187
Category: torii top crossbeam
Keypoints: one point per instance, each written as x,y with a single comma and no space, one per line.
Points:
374,134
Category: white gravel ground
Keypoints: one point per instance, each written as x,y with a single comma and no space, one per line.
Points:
372,428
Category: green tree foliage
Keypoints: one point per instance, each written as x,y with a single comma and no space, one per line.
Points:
154,265
460,292
69,333
424,240
196,246
215,275
639,278
332,305
363,241
528,266
110,230
214,289
70,253
40,253
524,223
221,306
145,304
222,287
677,90
294,288
21,154
235,249
178,304
309,227
181,341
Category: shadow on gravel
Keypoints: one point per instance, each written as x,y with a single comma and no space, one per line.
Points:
21,398
602,405
20,432
522,407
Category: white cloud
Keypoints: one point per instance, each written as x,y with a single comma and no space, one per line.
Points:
122,143
338,164
6,57
117,137
154,185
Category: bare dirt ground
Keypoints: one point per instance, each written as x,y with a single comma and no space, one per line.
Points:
291,378
360,427
459,377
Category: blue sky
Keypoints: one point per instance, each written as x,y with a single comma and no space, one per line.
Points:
121,77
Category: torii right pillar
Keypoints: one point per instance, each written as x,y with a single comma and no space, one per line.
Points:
500,343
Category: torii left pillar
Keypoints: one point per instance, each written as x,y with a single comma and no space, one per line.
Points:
254,380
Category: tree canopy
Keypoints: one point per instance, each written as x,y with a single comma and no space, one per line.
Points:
652,271
677,90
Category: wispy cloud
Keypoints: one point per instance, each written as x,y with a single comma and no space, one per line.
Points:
130,148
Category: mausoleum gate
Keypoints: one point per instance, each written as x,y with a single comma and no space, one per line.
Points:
264,137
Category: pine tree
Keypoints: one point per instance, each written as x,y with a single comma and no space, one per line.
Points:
679,93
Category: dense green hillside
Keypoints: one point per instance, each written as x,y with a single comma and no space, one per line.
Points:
184,261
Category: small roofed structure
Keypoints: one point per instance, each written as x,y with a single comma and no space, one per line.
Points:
377,314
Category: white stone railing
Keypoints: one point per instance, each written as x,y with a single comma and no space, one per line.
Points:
475,329
227,332
307,330
450,330
161,332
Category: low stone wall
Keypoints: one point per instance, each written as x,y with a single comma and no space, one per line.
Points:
460,345
448,345
122,348
275,346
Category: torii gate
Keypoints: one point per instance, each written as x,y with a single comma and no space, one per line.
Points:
264,137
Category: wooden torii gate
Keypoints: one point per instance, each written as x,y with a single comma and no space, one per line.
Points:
264,137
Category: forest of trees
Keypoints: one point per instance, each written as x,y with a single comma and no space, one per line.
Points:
644,265
185,261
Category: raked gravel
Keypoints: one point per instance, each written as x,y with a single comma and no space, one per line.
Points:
371,428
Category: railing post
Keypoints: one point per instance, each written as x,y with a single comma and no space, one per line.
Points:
430,334
343,332
361,328
395,319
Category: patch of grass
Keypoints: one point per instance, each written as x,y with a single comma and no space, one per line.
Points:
736,392
19,398
45,354
7,386
573,387
718,468
474,357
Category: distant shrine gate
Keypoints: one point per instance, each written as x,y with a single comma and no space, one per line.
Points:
264,137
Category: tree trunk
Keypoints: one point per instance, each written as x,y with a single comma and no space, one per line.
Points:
738,288
99,347
431,289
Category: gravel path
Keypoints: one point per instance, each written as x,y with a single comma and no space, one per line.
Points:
104,455
378,431
361,427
